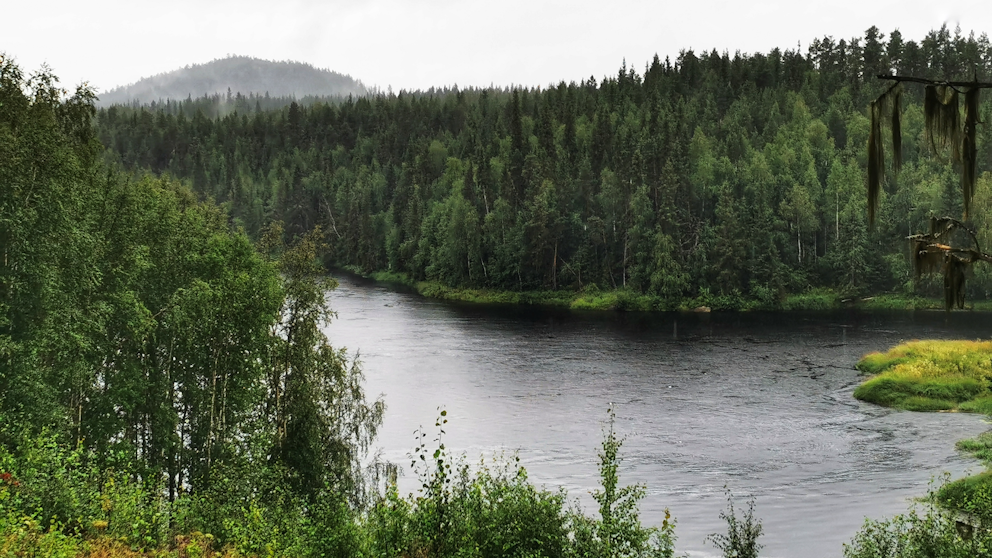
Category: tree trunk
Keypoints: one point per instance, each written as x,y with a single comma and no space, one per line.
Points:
554,269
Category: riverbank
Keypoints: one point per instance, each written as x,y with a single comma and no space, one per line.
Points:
940,376
972,495
594,298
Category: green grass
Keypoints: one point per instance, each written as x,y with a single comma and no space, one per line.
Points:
924,404
940,376
622,299
483,296
819,299
982,405
901,302
392,277
913,302
971,495
979,447
930,376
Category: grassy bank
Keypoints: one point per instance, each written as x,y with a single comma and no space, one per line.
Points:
590,298
910,302
972,495
940,376
930,376
593,298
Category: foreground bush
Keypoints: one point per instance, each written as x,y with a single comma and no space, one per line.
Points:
741,538
494,511
56,501
926,531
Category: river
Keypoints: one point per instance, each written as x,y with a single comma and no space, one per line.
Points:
759,403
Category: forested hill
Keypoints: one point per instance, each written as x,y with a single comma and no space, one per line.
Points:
716,176
237,74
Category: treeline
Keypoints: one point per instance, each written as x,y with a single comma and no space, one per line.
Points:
711,174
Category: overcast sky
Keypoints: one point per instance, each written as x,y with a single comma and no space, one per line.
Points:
411,44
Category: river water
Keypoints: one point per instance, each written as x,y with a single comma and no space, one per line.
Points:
759,403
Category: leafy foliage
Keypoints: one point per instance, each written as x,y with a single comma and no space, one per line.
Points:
157,372
925,531
619,532
493,510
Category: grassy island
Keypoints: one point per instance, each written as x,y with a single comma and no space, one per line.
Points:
940,376
930,376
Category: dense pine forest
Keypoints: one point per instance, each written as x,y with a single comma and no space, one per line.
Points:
727,178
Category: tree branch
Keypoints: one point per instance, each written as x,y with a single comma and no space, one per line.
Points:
975,83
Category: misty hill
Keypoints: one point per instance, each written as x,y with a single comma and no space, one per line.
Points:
240,74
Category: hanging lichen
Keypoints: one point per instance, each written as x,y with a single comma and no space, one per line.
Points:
951,246
943,120
954,270
969,147
943,129
943,249
887,107
896,126
926,258
876,160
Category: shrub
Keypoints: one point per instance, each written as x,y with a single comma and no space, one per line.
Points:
619,532
932,533
494,511
491,512
972,495
741,539
980,446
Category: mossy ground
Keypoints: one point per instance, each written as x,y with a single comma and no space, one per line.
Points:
930,376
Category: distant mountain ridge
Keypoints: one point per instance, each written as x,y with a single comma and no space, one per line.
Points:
239,74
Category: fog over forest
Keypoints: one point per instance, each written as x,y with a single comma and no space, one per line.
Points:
237,74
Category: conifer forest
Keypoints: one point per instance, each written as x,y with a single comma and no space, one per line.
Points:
738,176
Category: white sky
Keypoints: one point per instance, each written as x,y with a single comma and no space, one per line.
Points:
410,44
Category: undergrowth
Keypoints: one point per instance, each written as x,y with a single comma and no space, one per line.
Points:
56,502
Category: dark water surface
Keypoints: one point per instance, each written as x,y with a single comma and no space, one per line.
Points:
758,402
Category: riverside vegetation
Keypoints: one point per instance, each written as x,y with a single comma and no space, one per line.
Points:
593,298
930,376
